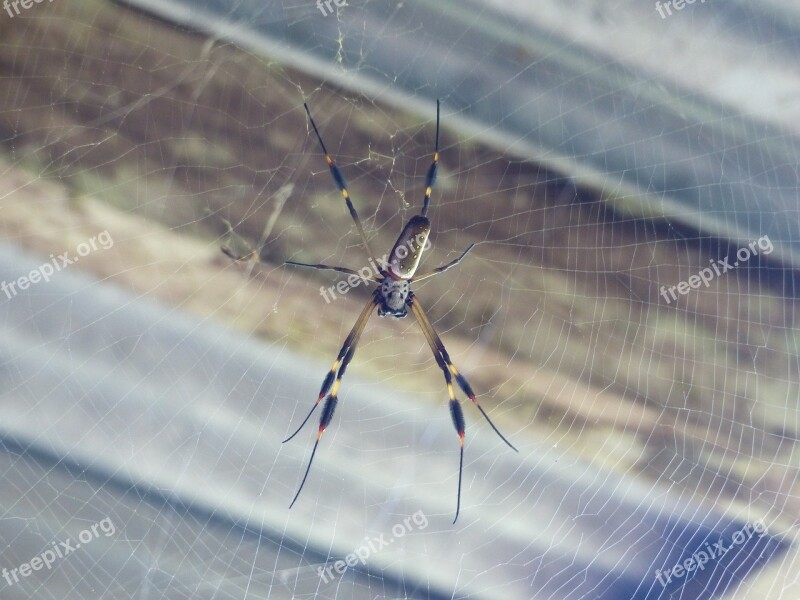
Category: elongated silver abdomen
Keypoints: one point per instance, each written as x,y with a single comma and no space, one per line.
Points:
407,251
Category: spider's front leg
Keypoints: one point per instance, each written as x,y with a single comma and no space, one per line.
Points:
341,184
430,178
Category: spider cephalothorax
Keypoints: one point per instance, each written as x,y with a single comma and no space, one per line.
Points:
393,297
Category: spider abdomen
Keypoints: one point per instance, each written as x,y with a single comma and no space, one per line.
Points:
407,251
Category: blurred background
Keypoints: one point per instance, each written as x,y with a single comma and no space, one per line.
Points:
598,154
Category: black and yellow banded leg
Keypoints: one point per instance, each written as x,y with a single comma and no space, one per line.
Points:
331,384
456,413
342,359
457,416
438,347
458,422
430,178
340,182
325,419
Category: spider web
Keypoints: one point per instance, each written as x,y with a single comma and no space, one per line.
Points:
592,153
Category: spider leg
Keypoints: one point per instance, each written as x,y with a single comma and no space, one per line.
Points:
430,179
341,362
444,268
329,268
339,367
340,182
438,346
458,422
455,406
327,415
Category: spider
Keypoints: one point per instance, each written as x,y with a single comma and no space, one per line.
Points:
393,297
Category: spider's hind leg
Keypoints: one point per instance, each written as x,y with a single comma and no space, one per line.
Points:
449,370
334,376
330,386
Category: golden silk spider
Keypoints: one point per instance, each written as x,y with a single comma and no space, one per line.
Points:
392,297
